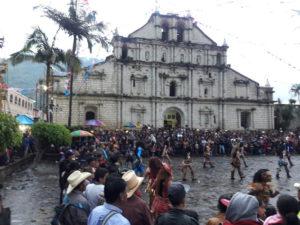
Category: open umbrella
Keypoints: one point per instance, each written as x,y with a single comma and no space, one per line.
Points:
94,123
129,125
81,133
24,120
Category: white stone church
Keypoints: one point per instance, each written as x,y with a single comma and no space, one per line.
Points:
167,73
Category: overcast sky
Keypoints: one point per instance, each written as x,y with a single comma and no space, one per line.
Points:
263,35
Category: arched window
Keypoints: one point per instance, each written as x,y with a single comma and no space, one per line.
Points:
165,32
218,59
133,81
173,89
180,33
26,105
124,51
11,98
19,102
16,100
22,103
89,115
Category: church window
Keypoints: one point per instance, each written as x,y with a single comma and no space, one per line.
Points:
147,55
163,58
165,32
218,59
198,59
133,82
124,51
205,91
180,33
173,89
245,120
89,115
181,58
206,118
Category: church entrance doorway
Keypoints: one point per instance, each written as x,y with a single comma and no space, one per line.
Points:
173,118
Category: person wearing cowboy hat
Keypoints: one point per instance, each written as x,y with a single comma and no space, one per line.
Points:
78,214
135,209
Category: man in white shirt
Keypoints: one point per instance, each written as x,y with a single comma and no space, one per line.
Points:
110,212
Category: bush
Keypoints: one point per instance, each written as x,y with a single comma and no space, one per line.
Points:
50,133
10,135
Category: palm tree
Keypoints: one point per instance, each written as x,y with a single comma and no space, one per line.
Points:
38,49
295,89
80,25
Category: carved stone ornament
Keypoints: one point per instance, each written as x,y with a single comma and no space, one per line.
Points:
139,77
183,76
240,82
205,110
206,81
138,109
164,75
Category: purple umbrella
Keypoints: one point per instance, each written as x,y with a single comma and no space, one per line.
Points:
94,123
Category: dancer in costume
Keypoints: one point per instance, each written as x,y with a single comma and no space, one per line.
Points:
187,165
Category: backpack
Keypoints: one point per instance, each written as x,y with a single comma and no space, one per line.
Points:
62,212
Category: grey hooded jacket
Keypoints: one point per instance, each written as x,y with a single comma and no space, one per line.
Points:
242,207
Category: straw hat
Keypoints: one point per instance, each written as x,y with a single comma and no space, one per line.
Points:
297,186
75,179
133,182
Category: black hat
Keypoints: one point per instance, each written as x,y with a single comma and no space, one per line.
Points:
176,192
90,159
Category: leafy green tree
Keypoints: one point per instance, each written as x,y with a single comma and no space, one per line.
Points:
38,49
46,134
81,26
284,114
10,135
295,89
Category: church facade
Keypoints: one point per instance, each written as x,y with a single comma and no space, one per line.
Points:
166,73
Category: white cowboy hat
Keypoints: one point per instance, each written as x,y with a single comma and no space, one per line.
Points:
75,179
297,186
133,182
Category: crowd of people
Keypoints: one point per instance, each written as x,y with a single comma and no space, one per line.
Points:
101,180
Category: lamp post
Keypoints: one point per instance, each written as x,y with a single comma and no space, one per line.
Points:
51,105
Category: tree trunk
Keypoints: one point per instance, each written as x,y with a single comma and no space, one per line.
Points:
71,68
39,153
47,90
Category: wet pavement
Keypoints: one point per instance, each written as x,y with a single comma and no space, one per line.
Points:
32,194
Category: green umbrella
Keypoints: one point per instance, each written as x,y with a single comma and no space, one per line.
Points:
81,133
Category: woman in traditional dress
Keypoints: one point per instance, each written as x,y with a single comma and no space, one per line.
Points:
160,186
151,172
